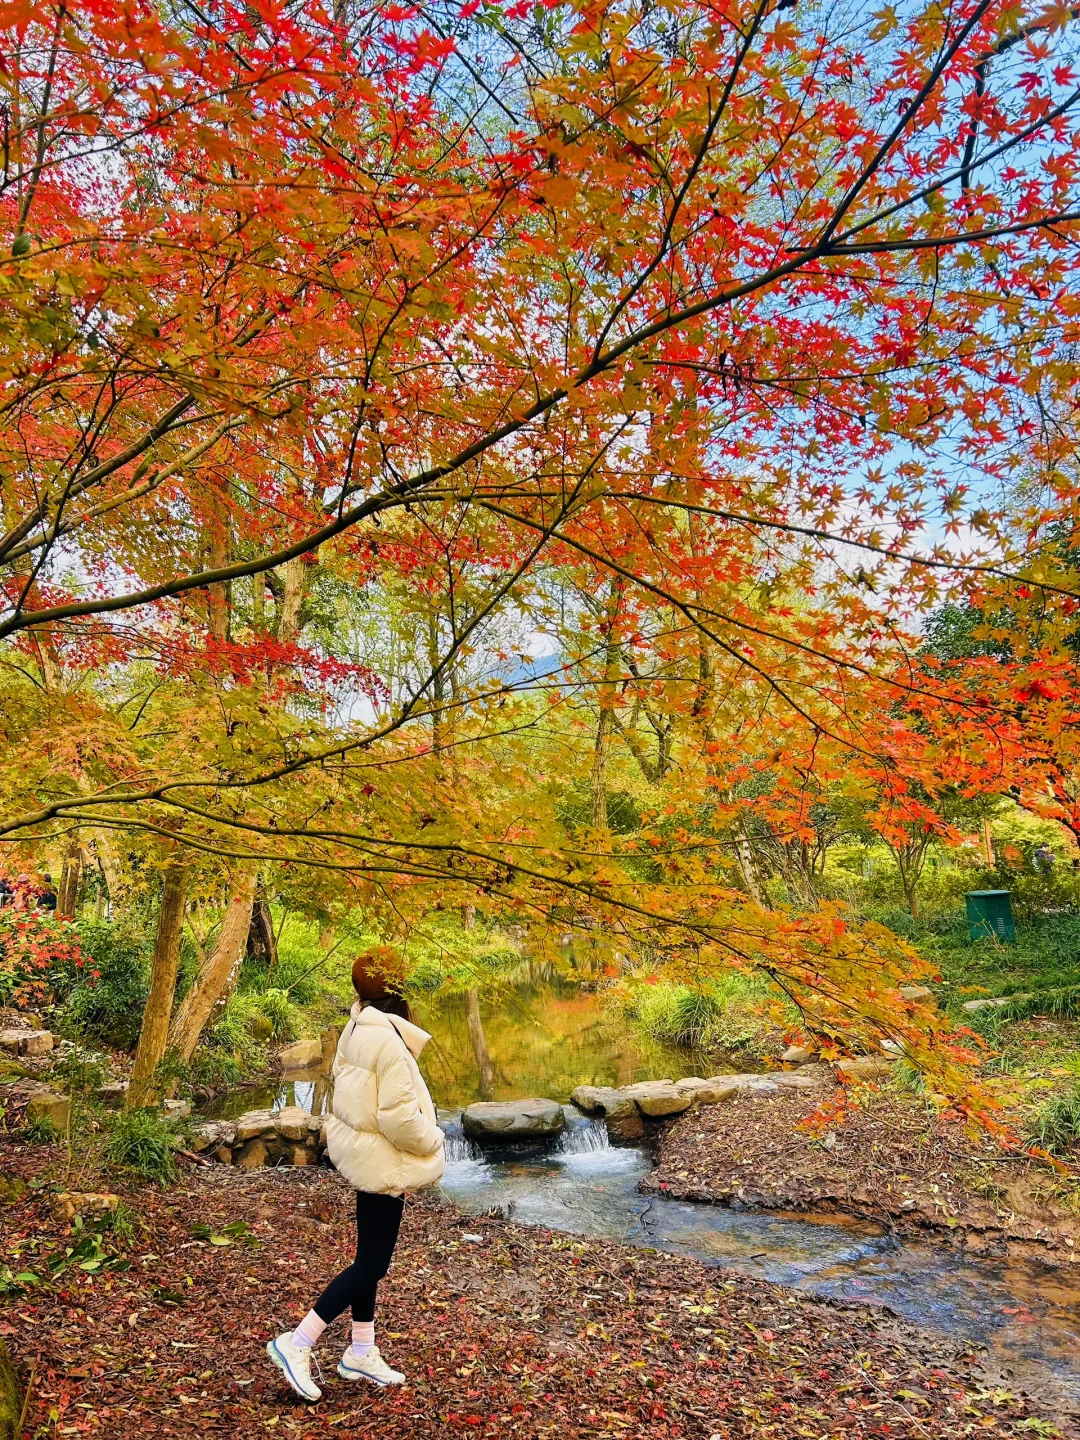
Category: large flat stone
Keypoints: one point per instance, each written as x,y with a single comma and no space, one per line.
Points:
36,1042
657,1098
292,1122
513,1120
592,1098
253,1124
301,1055
865,1068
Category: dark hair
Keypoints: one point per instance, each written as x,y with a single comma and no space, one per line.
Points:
391,1004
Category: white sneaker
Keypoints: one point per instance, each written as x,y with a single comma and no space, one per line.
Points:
369,1367
294,1361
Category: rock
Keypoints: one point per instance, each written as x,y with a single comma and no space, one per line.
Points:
36,1042
971,1006
204,1137
317,1131
51,1106
797,1055
301,1155
252,1124
177,1109
865,1068
12,1189
252,1156
292,1122
591,1098
657,1098
787,1080
113,1092
513,1120
224,1154
893,1048
623,1118
300,1056
10,1040
916,992
259,1027
67,1205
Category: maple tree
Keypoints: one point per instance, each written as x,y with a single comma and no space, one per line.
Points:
713,312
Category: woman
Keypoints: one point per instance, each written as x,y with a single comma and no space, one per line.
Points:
382,1136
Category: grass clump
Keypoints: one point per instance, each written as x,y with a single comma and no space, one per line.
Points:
1055,1126
42,1131
143,1142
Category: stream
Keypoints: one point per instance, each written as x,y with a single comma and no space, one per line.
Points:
1027,1316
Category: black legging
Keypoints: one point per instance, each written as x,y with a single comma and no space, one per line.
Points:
378,1218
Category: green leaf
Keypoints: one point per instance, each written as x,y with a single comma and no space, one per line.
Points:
21,246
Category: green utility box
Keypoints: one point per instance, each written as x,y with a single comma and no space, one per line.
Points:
989,912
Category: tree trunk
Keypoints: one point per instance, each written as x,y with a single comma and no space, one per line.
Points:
290,600
261,940
218,973
598,815
478,1041
68,891
154,1034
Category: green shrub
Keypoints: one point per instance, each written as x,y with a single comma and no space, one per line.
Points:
1055,1126
144,1142
109,1008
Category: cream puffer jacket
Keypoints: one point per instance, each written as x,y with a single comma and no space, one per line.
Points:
381,1133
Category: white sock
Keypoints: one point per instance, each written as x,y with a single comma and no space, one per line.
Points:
308,1331
363,1338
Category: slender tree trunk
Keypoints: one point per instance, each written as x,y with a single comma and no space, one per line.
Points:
290,600
68,890
217,975
154,1035
478,1041
598,777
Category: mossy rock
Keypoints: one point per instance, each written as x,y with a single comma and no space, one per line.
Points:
11,1396
11,1189
259,1027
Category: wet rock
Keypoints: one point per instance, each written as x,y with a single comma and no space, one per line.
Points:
623,1117
292,1122
301,1055
513,1120
252,1124
253,1155
657,1098
591,1098
51,1106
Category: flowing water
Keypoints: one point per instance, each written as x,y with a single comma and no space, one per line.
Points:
1027,1316
548,1041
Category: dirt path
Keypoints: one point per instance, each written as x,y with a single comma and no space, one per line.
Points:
519,1332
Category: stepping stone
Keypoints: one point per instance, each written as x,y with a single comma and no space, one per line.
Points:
513,1120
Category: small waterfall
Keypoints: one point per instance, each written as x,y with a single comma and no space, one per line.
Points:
584,1139
458,1147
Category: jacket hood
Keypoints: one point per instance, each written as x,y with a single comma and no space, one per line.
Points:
415,1038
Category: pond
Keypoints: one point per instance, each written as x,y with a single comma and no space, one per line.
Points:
542,1040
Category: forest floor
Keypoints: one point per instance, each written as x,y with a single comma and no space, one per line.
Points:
894,1160
155,1325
